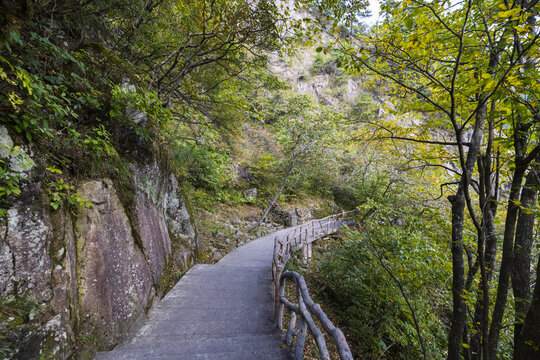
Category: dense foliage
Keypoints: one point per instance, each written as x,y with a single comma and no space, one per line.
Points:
83,82
469,70
381,281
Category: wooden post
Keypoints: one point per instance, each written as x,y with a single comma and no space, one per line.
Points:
306,247
279,305
302,326
290,329
275,257
300,340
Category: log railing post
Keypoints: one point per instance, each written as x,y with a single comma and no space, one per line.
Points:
300,340
290,329
279,307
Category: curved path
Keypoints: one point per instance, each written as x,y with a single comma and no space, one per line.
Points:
222,311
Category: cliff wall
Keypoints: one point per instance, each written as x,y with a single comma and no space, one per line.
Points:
81,278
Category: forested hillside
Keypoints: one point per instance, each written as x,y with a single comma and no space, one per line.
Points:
139,137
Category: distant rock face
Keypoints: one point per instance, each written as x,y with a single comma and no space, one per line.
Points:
92,273
352,90
325,85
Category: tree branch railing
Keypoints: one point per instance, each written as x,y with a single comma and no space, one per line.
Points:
304,309
302,237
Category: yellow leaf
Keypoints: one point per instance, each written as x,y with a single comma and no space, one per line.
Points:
508,13
521,29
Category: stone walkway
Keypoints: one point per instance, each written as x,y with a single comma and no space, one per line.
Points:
222,311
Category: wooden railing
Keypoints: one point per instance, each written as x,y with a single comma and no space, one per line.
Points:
302,237
304,308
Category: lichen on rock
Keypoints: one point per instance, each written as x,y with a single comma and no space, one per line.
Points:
115,282
28,235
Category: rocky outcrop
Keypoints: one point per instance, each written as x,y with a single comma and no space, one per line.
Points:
287,218
83,279
242,173
26,260
115,279
250,194
300,215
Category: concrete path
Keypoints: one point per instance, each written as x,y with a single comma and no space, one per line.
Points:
222,311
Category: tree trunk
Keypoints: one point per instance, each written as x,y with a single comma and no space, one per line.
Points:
458,202
487,247
506,262
458,205
526,328
522,163
529,346
458,276
521,271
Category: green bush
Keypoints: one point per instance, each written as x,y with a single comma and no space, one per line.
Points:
266,174
203,166
364,295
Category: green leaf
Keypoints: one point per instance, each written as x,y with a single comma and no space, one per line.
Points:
14,36
54,170
409,23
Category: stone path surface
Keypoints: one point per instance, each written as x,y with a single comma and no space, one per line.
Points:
222,311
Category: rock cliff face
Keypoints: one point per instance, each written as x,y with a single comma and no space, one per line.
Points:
86,280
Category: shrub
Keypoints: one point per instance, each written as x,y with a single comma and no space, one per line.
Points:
350,278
